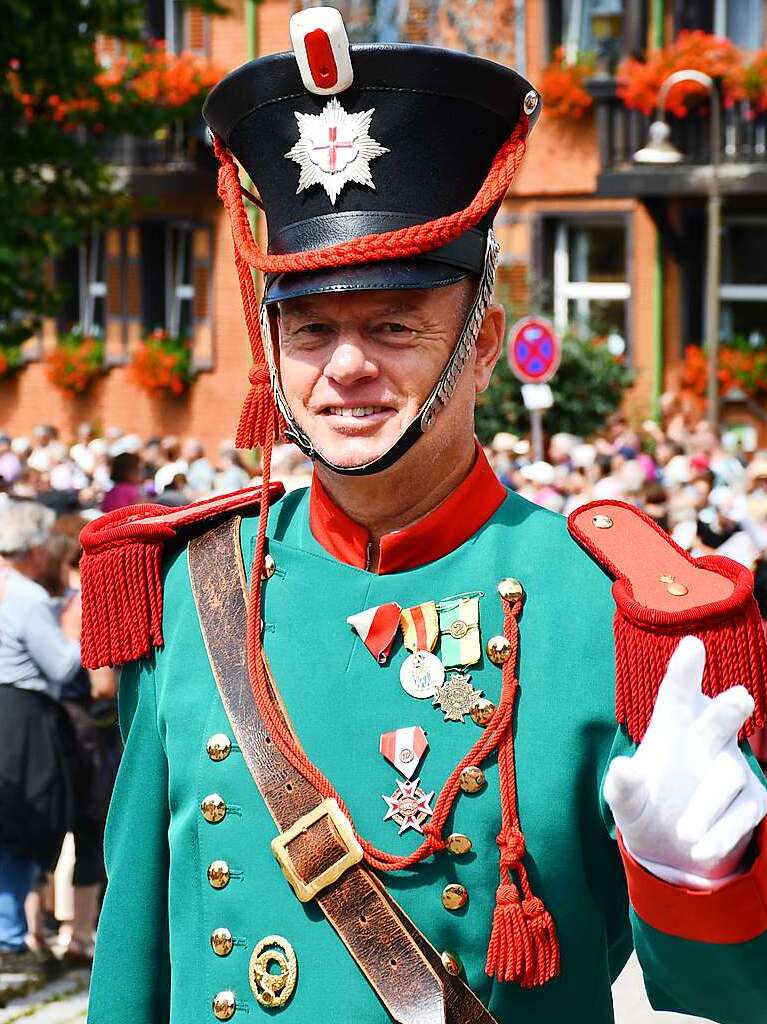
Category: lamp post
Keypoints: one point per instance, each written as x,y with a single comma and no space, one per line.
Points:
660,150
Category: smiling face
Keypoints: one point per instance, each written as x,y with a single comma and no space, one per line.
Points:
356,367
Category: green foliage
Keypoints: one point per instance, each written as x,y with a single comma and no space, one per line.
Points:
588,387
54,108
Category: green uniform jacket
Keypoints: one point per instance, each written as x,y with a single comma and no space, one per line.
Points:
705,954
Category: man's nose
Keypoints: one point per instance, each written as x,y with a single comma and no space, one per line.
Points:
349,361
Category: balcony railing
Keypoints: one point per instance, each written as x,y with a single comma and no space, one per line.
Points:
179,148
621,132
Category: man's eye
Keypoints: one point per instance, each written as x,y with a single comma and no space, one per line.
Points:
391,327
315,328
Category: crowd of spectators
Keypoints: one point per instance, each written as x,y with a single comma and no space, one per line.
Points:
101,473
707,489
58,731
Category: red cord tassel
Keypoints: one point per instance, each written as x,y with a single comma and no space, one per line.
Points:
258,412
523,943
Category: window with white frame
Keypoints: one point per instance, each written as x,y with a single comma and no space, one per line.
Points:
182,26
176,277
743,288
82,281
741,20
593,26
590,287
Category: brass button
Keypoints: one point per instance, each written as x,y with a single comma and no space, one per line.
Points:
511,590
602,522
498,649
454,896
458,844
483,711
224,1005
472,779
450,962
219,874
213,808
221,941
269,569
672,586
458,629
219,747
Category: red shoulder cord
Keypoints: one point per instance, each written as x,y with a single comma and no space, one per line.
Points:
523,944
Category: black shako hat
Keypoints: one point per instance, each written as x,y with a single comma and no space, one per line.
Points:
410,139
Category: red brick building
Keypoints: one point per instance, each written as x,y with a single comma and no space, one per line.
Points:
586,234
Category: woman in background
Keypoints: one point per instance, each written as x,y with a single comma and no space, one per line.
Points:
39,653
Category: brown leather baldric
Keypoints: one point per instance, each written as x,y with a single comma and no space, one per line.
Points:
400,964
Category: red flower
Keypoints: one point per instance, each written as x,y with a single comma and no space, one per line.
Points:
639,82
562,87
75,363
161,364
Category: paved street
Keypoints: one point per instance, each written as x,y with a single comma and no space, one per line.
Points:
65,1001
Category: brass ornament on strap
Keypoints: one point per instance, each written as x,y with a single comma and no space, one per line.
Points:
273,988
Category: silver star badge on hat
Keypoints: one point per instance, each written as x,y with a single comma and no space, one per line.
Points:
334,148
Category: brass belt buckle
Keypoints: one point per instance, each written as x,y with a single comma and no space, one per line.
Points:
306,891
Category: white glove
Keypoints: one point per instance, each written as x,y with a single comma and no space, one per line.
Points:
687,802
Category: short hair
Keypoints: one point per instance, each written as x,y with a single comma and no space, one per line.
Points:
24,525
124,466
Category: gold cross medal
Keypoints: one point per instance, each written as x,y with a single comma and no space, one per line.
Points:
456,697
421,671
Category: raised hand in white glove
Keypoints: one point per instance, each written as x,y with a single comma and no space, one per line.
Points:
687,803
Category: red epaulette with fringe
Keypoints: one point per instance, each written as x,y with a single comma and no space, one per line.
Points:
121,571
662,594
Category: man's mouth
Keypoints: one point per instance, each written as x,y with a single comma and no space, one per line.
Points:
356,412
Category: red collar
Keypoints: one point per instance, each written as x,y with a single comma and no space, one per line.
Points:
444,529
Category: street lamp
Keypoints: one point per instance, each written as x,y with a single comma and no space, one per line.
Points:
660,150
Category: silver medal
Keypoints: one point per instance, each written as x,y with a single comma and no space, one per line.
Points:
421,673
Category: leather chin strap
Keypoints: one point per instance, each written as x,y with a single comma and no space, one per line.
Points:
439,396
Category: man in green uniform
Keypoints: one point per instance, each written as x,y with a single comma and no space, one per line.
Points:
430,657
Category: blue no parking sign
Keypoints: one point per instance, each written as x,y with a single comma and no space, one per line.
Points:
533,350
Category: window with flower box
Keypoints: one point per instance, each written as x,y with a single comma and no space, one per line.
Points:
176,283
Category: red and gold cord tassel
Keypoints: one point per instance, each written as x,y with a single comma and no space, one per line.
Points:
523,943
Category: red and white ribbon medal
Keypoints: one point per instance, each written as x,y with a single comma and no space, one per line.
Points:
377,628
421,672
409,806
404,748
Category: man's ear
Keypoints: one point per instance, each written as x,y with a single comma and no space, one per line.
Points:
489,345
